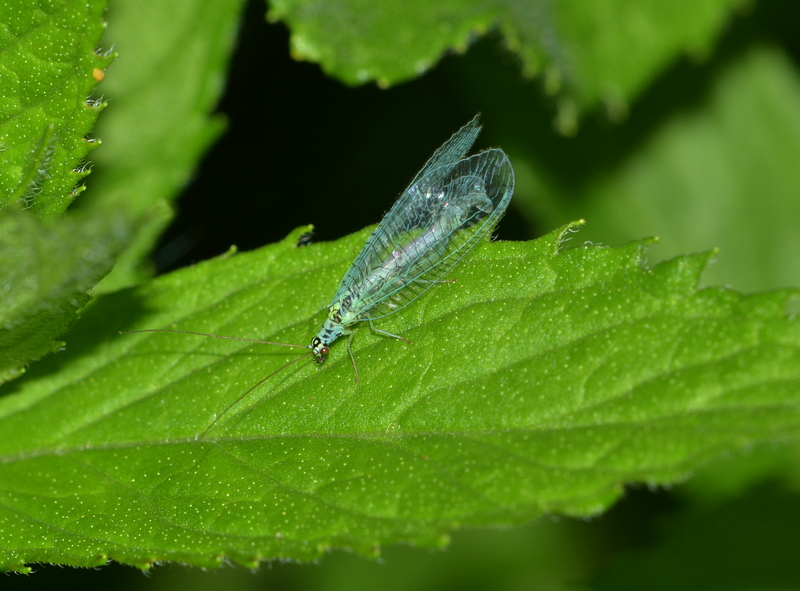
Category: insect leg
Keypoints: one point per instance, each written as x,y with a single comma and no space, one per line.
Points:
388,334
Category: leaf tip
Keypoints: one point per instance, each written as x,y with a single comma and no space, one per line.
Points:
562,235
301,236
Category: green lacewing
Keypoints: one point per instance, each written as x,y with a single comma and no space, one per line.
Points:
452,204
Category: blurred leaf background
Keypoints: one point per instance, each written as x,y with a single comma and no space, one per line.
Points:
644,118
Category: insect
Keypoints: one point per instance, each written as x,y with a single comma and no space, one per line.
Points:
452,204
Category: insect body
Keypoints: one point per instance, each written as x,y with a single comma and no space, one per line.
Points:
451,204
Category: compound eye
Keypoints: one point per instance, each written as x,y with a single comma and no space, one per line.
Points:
322,354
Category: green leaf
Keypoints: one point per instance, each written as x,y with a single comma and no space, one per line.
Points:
48,68
541,380
586,48
55,264
51,67
164,87
720,174
610,52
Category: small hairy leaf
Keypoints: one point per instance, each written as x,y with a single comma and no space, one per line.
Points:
541,380
48,68
590,51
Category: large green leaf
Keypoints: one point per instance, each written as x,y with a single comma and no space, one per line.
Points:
540,381
48,68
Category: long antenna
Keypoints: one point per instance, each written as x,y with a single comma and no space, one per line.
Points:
216,336
235,402
219,336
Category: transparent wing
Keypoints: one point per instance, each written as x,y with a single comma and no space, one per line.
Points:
453,149
434,223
